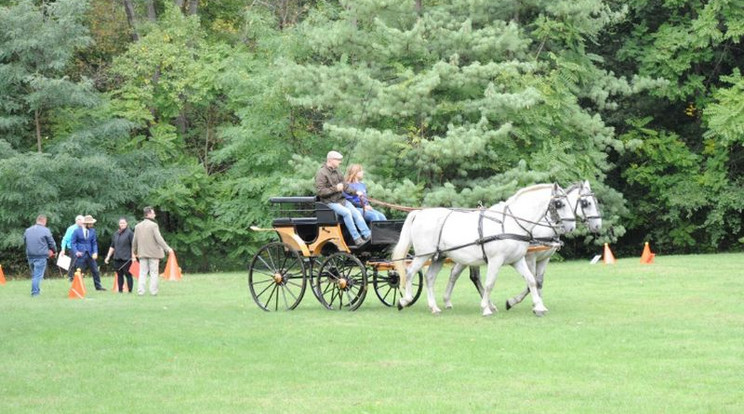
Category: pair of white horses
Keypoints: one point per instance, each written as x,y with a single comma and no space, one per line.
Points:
496,236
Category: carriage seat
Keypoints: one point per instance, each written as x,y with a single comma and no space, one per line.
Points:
294,221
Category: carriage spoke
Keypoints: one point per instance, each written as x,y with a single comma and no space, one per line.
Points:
342,280
276,277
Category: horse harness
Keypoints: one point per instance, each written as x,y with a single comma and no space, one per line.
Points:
482,240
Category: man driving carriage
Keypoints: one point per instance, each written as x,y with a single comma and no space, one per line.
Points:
330,186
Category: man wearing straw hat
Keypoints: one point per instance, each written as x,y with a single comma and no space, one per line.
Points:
85,249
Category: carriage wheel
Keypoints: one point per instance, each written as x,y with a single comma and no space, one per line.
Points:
341,282
387,287
276,277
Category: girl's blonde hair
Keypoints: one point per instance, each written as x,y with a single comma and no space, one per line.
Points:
352,172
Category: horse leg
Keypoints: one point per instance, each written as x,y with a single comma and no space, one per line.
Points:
530,258
415,266
537,304
494,264
431,277
454,274
540,274
476,279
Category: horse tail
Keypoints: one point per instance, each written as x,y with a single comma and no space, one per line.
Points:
401,249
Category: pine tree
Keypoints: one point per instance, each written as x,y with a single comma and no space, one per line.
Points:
37,44
453,103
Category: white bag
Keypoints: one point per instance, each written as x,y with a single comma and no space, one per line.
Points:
64,261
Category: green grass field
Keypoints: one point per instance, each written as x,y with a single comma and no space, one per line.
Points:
666,337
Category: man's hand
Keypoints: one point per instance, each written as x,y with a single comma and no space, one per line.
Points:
106,260
94,256
79,254
340,187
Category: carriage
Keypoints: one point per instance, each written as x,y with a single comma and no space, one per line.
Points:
315,250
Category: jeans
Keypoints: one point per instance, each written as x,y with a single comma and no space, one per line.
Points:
372,215
352,219
150,266
38,266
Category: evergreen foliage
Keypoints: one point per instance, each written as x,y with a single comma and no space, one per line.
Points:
205,110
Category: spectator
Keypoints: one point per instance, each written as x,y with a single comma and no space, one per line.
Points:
40,245
121,250
148,245
85,250
67,243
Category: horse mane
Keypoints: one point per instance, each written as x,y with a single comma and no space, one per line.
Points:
521,192
573,187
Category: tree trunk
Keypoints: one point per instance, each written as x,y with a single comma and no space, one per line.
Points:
37,121
178,3
418,6
131,18
151,14
206,140
193,7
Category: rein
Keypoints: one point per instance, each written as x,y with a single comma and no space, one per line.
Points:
506,212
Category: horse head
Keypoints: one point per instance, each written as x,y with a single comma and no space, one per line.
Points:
541,201
560,211
585,205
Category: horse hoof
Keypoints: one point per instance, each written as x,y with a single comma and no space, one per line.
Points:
508,305
539,314
448,307
400,306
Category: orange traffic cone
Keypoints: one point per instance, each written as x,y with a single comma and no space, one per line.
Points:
2,275
172,271
77,290
609,258
134,269
116,283
647,257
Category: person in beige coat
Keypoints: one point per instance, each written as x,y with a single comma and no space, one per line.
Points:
149,247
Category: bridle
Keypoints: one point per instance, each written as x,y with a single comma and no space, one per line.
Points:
552,217
584,201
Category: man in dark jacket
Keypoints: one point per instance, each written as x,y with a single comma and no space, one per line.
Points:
40,245
330,185
85,250
121,250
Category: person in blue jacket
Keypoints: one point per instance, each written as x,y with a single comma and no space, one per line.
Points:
40,246
67,244
85,249
356,193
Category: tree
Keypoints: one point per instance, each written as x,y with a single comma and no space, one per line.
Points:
453,103
37,45
684,164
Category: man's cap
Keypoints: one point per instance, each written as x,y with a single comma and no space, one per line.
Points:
334,155
89,219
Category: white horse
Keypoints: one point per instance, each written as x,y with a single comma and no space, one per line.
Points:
496,236
584,204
